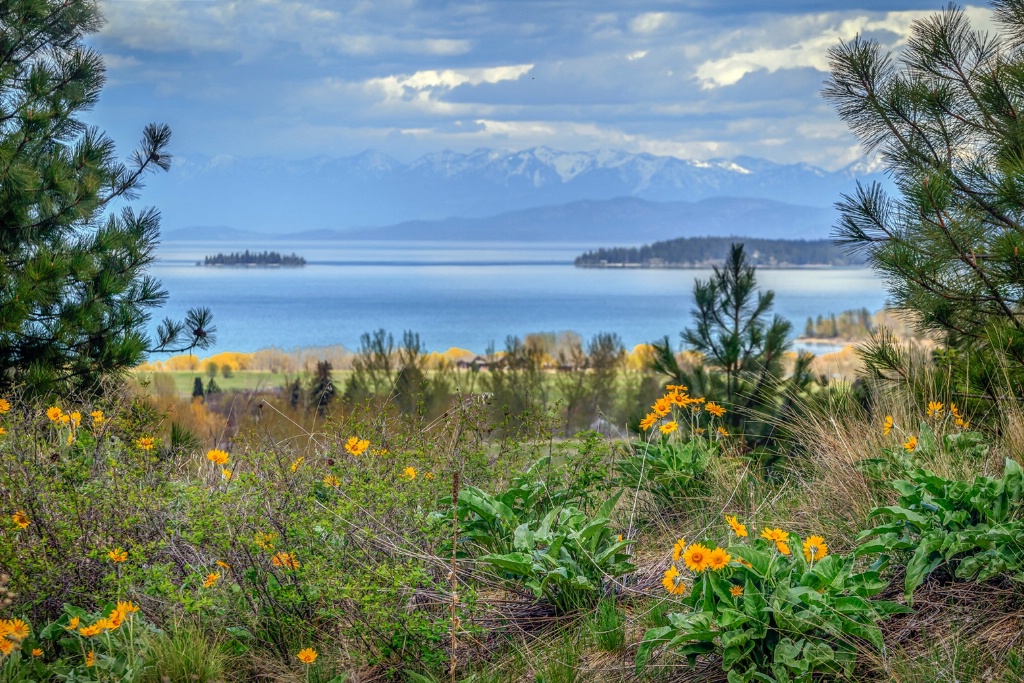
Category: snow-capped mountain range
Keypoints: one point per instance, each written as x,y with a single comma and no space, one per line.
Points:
372,189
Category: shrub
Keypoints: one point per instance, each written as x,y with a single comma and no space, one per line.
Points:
771,613
974,526
538,536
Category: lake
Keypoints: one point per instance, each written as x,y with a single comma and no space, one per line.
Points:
462,294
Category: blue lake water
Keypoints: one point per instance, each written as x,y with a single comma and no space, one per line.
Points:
462,294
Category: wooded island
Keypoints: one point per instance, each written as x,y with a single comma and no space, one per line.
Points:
247,258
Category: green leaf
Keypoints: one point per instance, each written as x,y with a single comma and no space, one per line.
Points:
653,638
517,563
523,537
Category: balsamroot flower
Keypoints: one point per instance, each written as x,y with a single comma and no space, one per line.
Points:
356,446
54,413
722,430
20,519
298,462
910,444
285,560
18,629
97,417
409,473
307,656
736,591
90,658
718,559
714,409
739,529
669,427
672,583
815,548
146,443
887,425
649,421
211,580
76,418
332,481
678,548
696,557
5,405
934,409
217,456
117,555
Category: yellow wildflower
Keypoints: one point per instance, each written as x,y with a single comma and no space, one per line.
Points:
5,405
696,557
722,430
295,465
6,646
146,443
126,608
954,411
20,519
65,418
669,427
36,652
718,559
815,548
776,535
676,388
782,547
739,529
715,409
678,548
90,631
211,579
332,481
672,583
226,473
222,564
217,456
286,560
307,656
117,555
265,541
736,591
2,431
699,430
962,423
934,409
662,407
19,629
887,425
76,418
72,624
90,658
113,622
409,473
97,417
54,413
428,476
356,446
649,421
910,444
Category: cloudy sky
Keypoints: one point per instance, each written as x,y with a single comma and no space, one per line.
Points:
301,78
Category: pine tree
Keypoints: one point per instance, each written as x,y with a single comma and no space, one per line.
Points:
946,119
742,349
321,387
197,388
75,299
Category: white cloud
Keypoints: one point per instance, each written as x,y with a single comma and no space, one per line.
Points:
639,54
651,22
819,33
402,87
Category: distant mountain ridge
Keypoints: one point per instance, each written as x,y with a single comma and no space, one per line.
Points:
620,220
372,189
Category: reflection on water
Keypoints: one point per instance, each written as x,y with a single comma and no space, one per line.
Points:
463,294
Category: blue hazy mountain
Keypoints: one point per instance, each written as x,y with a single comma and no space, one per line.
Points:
370,190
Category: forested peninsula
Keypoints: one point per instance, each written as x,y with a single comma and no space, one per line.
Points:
702,252
254,258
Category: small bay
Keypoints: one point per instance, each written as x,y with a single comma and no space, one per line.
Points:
462,293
